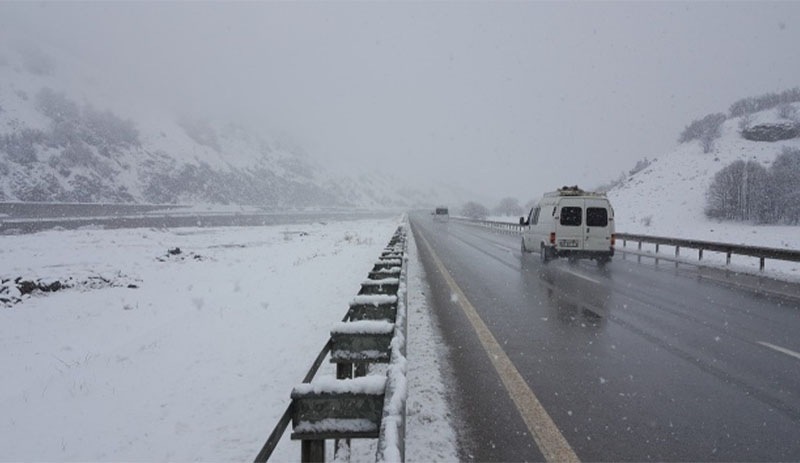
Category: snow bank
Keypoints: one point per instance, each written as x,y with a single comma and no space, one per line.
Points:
335,425
363,327
374,299
384,281
370,385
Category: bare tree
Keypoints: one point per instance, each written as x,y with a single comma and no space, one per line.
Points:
785,186
508,206
740,191
745,122
706,130
474,210
787,111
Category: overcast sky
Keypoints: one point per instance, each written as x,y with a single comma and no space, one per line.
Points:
506,99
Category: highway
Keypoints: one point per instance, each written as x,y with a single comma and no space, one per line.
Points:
630,362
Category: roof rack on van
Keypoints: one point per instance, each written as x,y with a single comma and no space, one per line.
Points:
573,190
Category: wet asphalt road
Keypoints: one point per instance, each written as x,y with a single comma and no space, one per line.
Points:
632,362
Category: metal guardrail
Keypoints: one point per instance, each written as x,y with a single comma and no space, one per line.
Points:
729,249
762,253
502,226
385,282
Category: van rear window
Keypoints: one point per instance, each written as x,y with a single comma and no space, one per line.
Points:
571,216
596,216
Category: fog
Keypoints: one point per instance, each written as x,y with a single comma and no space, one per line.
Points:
508,99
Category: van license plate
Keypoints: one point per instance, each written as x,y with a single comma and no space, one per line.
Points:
568,243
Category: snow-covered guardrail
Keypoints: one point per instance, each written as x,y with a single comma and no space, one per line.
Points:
354,404
761,253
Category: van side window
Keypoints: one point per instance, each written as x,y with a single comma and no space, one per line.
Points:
596,217
535,216
571,216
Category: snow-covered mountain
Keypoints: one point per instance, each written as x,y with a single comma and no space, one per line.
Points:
65,136
668,197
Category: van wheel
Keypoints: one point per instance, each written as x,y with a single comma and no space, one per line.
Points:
602,261
544,254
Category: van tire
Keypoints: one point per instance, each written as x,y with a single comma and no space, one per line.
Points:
602,261
544,254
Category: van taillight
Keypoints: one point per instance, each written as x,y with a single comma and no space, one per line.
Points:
613,239
552,238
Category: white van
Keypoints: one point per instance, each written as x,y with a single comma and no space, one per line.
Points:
570,222
441,214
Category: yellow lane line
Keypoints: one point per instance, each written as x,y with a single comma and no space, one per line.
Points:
548,438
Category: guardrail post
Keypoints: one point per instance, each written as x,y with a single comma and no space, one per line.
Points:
677,254
656,253
312,451
639,256
700,254
728,258
343,371
761,264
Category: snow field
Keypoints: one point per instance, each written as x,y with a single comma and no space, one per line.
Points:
197,363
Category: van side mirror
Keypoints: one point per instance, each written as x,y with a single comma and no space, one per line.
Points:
522,221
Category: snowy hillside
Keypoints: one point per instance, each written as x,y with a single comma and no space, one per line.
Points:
66,136
669,196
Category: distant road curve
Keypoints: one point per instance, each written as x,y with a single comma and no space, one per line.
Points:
21,218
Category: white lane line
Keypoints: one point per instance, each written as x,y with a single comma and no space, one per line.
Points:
548,437
504,248
572,272
780,349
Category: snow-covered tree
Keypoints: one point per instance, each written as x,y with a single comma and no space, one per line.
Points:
706,130
787,111
508,206
740,191
755,104
785,186
474,210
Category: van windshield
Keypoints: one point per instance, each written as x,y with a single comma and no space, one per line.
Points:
596,216
571,216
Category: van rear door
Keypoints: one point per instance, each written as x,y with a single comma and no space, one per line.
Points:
570,224
597,227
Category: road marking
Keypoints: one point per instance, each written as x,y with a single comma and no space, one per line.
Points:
572,272
548,438
500,246
780,349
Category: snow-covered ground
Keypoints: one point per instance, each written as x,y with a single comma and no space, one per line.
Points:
196,362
